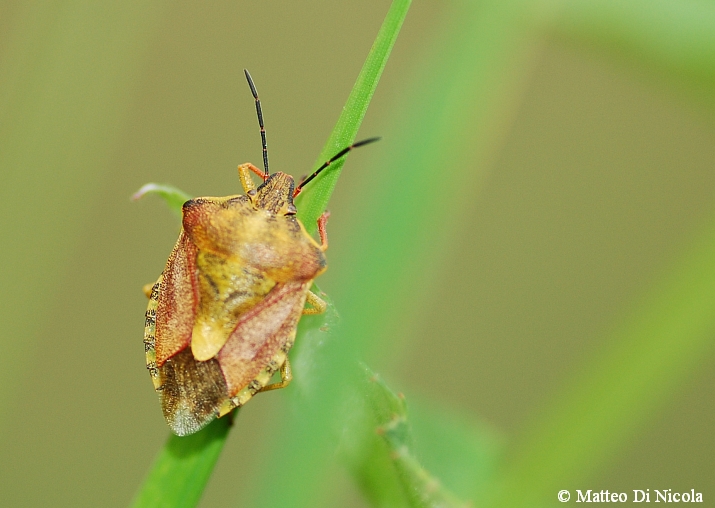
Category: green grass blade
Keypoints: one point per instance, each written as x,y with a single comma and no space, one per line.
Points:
389,411
180,473
428,456
449,124
449,128
457,123
173,197
647,358
183,467
461,452
314,199
305,448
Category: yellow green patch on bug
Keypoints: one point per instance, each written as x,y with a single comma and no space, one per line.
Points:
222,316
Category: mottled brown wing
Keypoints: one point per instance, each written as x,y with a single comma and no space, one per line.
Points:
191,392
178,300
261,332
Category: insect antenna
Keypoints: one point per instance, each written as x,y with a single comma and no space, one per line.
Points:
331,160
260,122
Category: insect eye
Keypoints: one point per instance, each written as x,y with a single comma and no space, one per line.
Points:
252,193
291,210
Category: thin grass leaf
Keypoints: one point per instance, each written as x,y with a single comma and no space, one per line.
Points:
373,470
461,452
449,127
306,447
173,197
191,459
422,489
183,467
314,199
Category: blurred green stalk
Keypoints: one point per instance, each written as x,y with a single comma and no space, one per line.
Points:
450,128
669,41
643,362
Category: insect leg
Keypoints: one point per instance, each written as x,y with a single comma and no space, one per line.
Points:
317,304
286,378
322,222
245,176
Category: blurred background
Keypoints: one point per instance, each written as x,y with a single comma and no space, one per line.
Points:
578,176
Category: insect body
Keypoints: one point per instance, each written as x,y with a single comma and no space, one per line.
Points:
223,314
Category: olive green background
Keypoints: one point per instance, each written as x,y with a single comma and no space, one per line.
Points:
603,175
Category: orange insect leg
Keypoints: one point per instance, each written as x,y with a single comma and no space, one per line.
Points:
322,222
244,173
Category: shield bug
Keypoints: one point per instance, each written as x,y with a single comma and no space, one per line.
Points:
223,314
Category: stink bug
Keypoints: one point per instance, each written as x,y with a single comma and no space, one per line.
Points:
223,314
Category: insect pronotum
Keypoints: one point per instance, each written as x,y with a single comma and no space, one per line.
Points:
223,314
